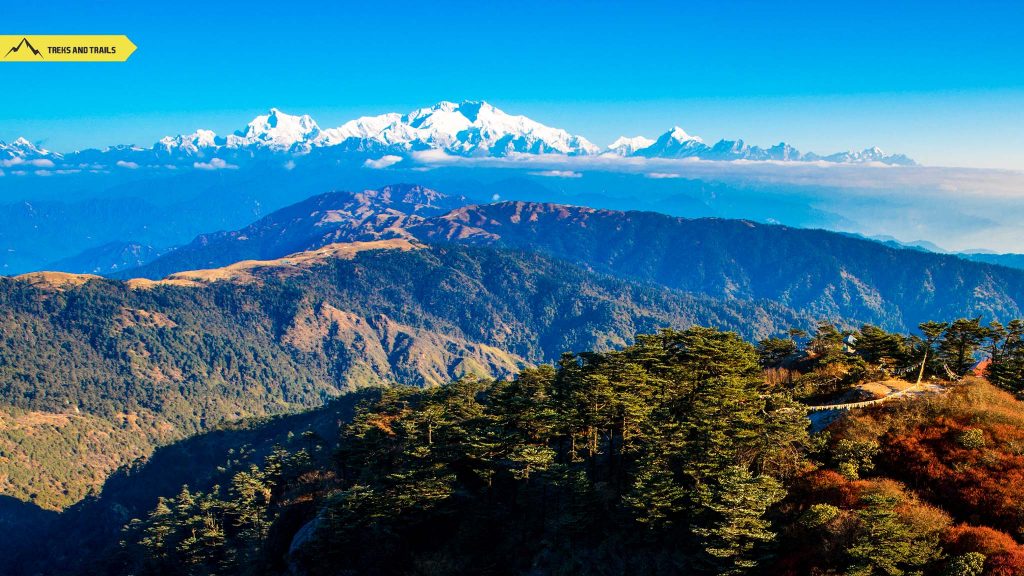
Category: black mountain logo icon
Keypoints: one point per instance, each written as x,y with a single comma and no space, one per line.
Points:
24,42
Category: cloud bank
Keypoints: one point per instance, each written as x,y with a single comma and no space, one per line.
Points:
957,208
975,181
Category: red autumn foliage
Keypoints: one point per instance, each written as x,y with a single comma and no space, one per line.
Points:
980,484
822,485
1004,556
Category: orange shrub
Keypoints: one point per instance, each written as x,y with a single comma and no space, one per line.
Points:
1004,556
982,484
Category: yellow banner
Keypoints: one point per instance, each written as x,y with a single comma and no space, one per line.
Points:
67,48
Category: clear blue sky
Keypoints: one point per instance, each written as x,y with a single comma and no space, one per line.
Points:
940,81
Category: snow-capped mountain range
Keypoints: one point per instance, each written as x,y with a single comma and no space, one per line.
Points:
466,129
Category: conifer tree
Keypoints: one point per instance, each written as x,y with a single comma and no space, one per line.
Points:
960,341
735,539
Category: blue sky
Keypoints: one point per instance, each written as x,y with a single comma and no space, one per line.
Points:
938,81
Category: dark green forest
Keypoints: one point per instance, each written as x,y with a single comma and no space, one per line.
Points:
675,455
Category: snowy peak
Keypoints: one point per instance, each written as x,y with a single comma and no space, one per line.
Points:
736,150
276,130
680,135
469,128
675,143
364,128
627,146
783,152
23,149
476,128
188,144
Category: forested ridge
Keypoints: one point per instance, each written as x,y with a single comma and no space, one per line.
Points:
121,369
680,454
823,274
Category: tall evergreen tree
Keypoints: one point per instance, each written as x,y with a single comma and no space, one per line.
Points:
960,341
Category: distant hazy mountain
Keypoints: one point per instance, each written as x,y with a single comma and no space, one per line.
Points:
676,143
922,245
821,273
469,128
307,225
108,258
825,274
1008,260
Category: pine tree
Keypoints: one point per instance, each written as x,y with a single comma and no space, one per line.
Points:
773,352
735,540
156,538
1007,352
885,544
251,497
201,548
878,346
960,341
932,333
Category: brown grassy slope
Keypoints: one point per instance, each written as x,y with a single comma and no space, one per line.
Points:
54,459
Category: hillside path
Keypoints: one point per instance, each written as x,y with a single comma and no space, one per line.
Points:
915,390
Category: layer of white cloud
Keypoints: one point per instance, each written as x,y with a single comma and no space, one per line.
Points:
957,208
213,164
126,164
975,181
383,162
38,163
